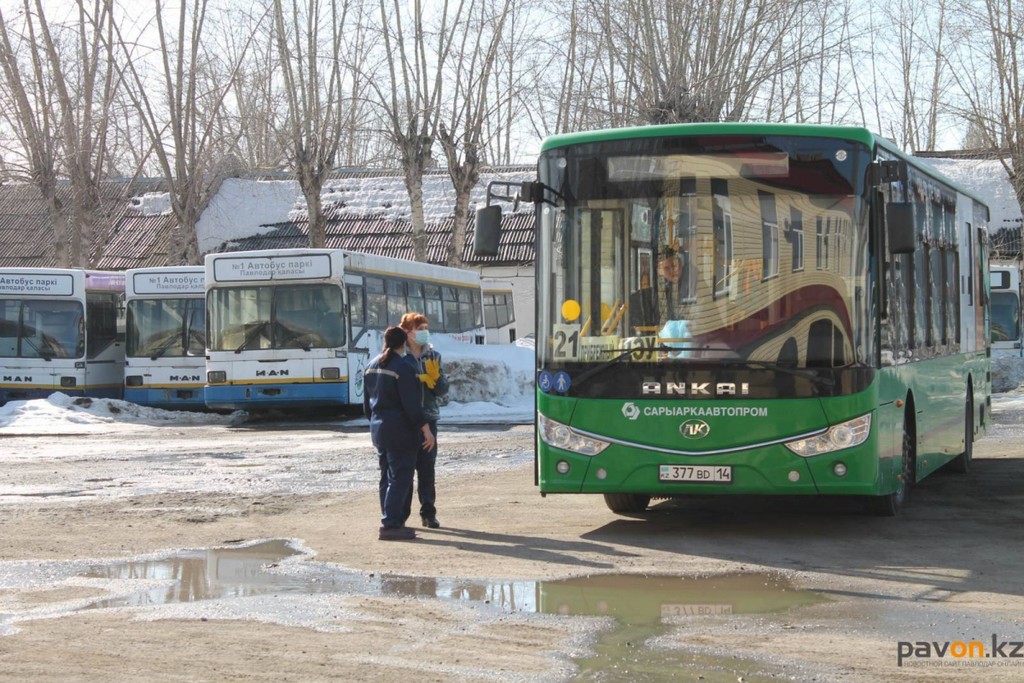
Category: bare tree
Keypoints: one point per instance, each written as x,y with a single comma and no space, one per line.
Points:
30,109
472,66
415,54
314,95
192,84
988,77
85,81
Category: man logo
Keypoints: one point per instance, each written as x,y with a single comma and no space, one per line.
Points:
695,429
630,411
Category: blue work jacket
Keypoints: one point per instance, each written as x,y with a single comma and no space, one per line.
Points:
392,402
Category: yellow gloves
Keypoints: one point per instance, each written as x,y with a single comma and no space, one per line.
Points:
433,368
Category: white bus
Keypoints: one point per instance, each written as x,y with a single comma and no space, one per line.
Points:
166,337
295,328
1005,311
60,330
499,311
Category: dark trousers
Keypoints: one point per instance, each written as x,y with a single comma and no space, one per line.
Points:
396,471
425,462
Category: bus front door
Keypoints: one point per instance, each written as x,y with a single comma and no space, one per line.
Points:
359,337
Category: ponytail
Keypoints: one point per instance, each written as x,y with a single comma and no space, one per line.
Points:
394,339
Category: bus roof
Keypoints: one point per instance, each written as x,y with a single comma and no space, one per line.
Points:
851,133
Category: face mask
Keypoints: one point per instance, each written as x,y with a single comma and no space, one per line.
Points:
422,337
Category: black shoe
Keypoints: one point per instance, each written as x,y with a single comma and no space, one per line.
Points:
431,522
396,533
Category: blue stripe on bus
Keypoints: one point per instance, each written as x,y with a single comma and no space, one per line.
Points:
257,396
167,399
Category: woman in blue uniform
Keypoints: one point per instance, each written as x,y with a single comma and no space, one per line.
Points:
393,404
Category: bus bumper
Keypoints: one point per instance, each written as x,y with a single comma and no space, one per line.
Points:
276,396
768,470
168,399
8,394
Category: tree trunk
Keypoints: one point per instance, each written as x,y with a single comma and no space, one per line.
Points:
414,184
458,244
58,222
317,223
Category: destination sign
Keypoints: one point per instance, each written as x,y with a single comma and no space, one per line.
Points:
169,283
240,269
52,284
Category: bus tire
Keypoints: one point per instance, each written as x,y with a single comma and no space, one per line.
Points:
890,505
626,502
961,464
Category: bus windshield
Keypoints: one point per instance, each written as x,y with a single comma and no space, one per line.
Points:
276,317
41,329
170,328
713,249
1005,317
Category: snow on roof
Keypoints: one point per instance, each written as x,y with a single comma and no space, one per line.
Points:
245,208
387,197
249,207
988,179
151,203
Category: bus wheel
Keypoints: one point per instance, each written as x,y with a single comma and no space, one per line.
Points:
626,502
961,464
891,504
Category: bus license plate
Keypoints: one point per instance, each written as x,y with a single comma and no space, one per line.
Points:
702,474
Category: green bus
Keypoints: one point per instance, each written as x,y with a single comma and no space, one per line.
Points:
743,308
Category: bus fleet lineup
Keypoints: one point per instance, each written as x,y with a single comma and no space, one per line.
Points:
250,330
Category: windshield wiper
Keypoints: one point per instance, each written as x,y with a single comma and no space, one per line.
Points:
165,347
295,337
252,335
618,359
48,355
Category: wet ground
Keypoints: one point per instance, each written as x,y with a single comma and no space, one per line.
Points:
514,587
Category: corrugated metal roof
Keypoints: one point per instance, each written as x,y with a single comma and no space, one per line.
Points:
138,240
387,237
134,240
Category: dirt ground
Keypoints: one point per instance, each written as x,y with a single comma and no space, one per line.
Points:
948,569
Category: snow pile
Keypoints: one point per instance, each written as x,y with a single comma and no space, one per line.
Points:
245,208
60,413
1007,374
152,203
491,373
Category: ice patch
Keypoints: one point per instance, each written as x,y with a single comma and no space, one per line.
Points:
62,414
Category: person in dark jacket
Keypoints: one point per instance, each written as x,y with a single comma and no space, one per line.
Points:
393,404
427,363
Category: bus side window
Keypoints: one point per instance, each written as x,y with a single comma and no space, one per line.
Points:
356,309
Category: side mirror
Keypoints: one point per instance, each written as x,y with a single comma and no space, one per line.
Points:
899,221
487,231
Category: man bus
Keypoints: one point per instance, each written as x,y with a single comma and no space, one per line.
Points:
752,309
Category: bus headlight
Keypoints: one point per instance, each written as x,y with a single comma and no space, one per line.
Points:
558,435
216,377
330,373
841,436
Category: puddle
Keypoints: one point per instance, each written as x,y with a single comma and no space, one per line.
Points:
642,606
